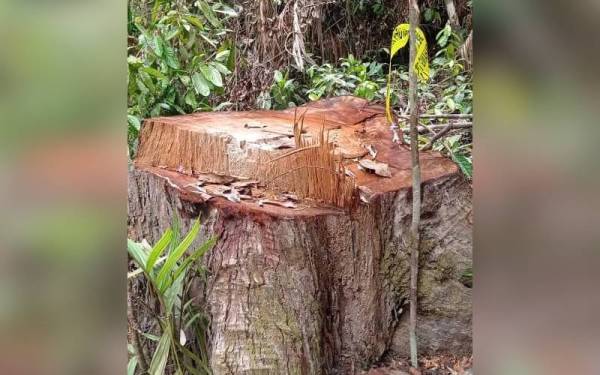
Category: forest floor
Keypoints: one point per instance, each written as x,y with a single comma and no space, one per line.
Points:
435,365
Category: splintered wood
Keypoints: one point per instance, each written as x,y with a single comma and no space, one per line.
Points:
311,169
182,150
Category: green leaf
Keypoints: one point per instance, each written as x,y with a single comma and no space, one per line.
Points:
192,258
158,249
150,336
190,99
465,164
131,365
138,253
134,121
153,72
161,354
158,46
175,255
212,75
170,57
200,84
222,55
278,76
209,14
221,68
195,21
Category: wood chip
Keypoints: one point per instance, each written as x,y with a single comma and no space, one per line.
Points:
211,178
286,204
202,192
372,166
365,194
244,184
372,151
217,190
233,195
254,126
290,196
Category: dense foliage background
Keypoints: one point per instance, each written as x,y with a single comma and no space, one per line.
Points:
208,55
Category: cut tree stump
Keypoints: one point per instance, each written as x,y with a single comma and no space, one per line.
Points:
310,272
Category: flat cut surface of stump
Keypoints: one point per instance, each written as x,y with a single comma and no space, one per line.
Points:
241,145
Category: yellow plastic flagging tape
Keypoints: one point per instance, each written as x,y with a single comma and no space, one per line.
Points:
399,40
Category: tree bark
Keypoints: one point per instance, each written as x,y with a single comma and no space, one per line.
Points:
452,16
466,51
315,289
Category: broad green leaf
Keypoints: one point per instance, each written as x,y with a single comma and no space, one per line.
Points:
134,121
141,86
158,46
158,249
175,255
185,80
200,84
212,75
161,354
222,55
227,11
170,57
190,99
195,21
209,14
220,67
464,163
278,76
153,72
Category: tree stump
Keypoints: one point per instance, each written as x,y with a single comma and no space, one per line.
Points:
310,272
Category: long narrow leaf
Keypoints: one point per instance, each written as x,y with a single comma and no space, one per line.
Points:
197,254
169,265
131,365
196,359
138,253
158,249
161,354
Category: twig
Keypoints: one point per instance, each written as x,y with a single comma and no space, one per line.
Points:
429,128
437,136
448,115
